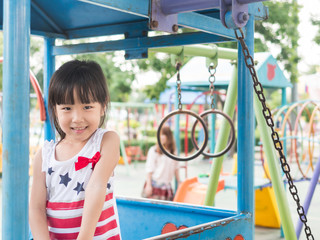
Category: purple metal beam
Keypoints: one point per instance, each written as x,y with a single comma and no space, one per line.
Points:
233,13
307,201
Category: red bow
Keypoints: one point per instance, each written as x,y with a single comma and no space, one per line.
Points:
83,161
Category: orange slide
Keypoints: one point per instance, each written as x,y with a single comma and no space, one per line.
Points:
193,192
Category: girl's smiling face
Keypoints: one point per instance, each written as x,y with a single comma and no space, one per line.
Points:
79,120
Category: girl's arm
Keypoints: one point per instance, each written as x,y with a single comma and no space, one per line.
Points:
148,187
38,199
96,189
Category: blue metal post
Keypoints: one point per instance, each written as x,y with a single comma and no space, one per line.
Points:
245,132
16,85
49,67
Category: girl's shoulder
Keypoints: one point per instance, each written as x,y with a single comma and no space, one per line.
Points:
110,135
102,136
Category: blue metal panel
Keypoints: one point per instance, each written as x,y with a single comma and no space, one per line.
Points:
136,43
49,68
15,128
135,7
225,229
144,218
46,18
75,14
204,23
245,132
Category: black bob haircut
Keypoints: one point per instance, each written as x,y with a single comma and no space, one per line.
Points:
83,78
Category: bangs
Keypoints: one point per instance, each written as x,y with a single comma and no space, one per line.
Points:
84,94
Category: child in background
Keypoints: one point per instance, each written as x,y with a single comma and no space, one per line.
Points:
161,169
72,189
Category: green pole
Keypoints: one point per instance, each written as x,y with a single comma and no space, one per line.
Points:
200,50
275,172
222,139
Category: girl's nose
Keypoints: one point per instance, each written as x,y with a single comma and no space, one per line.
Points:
77,116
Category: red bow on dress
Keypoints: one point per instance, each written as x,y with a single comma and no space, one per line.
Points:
83,161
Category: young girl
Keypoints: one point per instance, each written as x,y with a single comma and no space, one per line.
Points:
72,189
161,169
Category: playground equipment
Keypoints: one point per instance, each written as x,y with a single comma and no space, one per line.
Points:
214,21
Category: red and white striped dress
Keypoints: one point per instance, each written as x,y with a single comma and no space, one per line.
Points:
66,192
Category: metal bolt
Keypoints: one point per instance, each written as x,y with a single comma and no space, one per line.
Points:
175,28
243,17
154,24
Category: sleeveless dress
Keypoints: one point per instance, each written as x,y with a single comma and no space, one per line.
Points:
66,193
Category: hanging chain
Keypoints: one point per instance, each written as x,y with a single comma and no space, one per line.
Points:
212,79
178,66
275,137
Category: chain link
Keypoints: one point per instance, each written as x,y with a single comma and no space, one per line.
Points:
212,78
178,66
275,137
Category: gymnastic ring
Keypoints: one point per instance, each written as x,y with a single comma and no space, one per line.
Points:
214,111
200,150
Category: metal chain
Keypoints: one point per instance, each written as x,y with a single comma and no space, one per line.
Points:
178,66
212,78
275,137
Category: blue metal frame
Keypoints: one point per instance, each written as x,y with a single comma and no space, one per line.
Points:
16,85
138,43
245,133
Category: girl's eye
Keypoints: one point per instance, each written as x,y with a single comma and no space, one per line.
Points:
87,107
66,108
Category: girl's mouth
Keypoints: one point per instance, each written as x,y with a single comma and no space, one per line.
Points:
78,129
